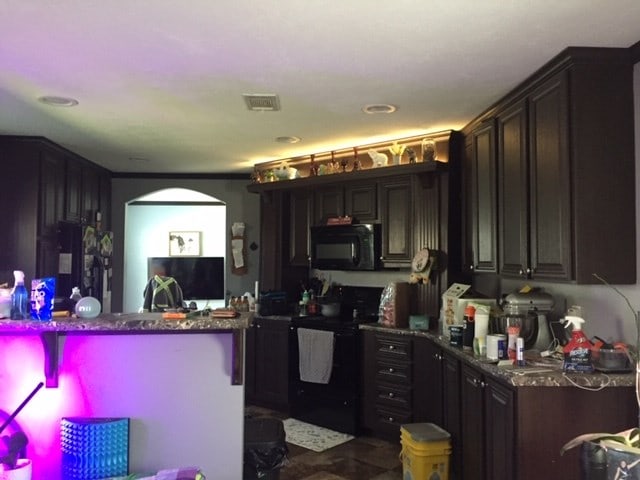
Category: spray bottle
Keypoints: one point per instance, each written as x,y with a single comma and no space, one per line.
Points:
577,352
20,308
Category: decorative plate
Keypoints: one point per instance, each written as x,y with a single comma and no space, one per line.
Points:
420,261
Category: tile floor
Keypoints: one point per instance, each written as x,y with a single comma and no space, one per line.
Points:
360,458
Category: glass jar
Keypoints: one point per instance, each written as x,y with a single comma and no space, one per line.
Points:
428,150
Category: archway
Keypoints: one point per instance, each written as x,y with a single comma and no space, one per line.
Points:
149,221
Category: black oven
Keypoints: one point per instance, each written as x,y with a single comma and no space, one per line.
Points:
332,405
336,404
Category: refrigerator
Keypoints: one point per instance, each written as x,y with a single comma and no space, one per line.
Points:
85,254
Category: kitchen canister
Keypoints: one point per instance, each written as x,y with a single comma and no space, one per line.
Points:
496,346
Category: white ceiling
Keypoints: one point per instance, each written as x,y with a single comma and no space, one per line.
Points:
161,81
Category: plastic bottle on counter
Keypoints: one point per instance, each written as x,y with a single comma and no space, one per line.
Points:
75,296
469,327
20,308
577,352
514,324
312,304
520,362
481,327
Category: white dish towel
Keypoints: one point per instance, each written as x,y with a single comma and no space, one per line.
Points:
315,349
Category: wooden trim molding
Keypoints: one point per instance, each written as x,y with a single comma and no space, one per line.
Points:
634,51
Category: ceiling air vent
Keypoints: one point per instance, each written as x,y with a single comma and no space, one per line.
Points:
259,102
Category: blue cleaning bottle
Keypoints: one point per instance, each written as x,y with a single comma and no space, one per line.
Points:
20,308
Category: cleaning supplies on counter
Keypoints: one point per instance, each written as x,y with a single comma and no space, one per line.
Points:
20,307
469,327
577,352
481,321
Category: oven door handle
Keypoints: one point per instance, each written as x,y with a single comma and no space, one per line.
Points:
343,335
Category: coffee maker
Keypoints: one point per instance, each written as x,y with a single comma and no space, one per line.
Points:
534,305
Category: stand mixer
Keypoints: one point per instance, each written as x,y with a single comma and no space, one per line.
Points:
534,306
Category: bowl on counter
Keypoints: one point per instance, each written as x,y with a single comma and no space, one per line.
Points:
611,359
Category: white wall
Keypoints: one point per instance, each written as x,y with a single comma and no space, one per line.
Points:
147,230
607,313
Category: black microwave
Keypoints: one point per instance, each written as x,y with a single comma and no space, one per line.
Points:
345,247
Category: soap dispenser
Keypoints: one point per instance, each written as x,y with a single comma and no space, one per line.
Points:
20,308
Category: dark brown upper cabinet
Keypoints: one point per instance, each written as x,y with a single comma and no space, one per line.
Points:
361,201
300,208
565,173
484,199
329,202
396,217
44,185
357,200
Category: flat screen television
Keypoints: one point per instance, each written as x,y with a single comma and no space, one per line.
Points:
200,278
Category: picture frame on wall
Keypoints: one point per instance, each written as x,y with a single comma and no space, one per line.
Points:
184,244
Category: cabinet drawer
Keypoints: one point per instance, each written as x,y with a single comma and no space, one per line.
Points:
393,372
395,396
389,420
396,347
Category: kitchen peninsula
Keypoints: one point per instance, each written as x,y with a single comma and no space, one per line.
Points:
180,382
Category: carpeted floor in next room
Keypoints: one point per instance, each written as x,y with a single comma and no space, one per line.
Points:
358,459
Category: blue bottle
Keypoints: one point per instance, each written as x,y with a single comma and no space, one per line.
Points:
20,308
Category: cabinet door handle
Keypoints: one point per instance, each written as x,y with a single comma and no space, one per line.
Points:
390,394
391,347
528,270
391,370
258,326
521,272
391,419
471,267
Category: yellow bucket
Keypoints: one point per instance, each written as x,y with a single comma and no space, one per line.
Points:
425,452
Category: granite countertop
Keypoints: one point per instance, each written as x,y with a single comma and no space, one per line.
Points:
127,323
543,375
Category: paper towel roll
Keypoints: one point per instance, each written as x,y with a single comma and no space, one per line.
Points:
482,324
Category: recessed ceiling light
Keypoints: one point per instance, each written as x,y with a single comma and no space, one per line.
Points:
288,139
58,101
378,108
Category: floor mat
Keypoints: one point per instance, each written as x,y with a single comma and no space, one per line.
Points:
311,436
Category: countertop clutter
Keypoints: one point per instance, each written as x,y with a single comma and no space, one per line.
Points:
548,375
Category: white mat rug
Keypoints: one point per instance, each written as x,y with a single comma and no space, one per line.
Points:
311,436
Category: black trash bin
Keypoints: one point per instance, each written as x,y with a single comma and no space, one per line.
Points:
265,449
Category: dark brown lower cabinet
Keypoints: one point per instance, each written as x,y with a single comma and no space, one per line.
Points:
472,420
387,383
427,393
499,413
498,431
487,427
267,363
452,408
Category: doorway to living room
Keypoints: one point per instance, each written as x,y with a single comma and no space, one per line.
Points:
152,224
